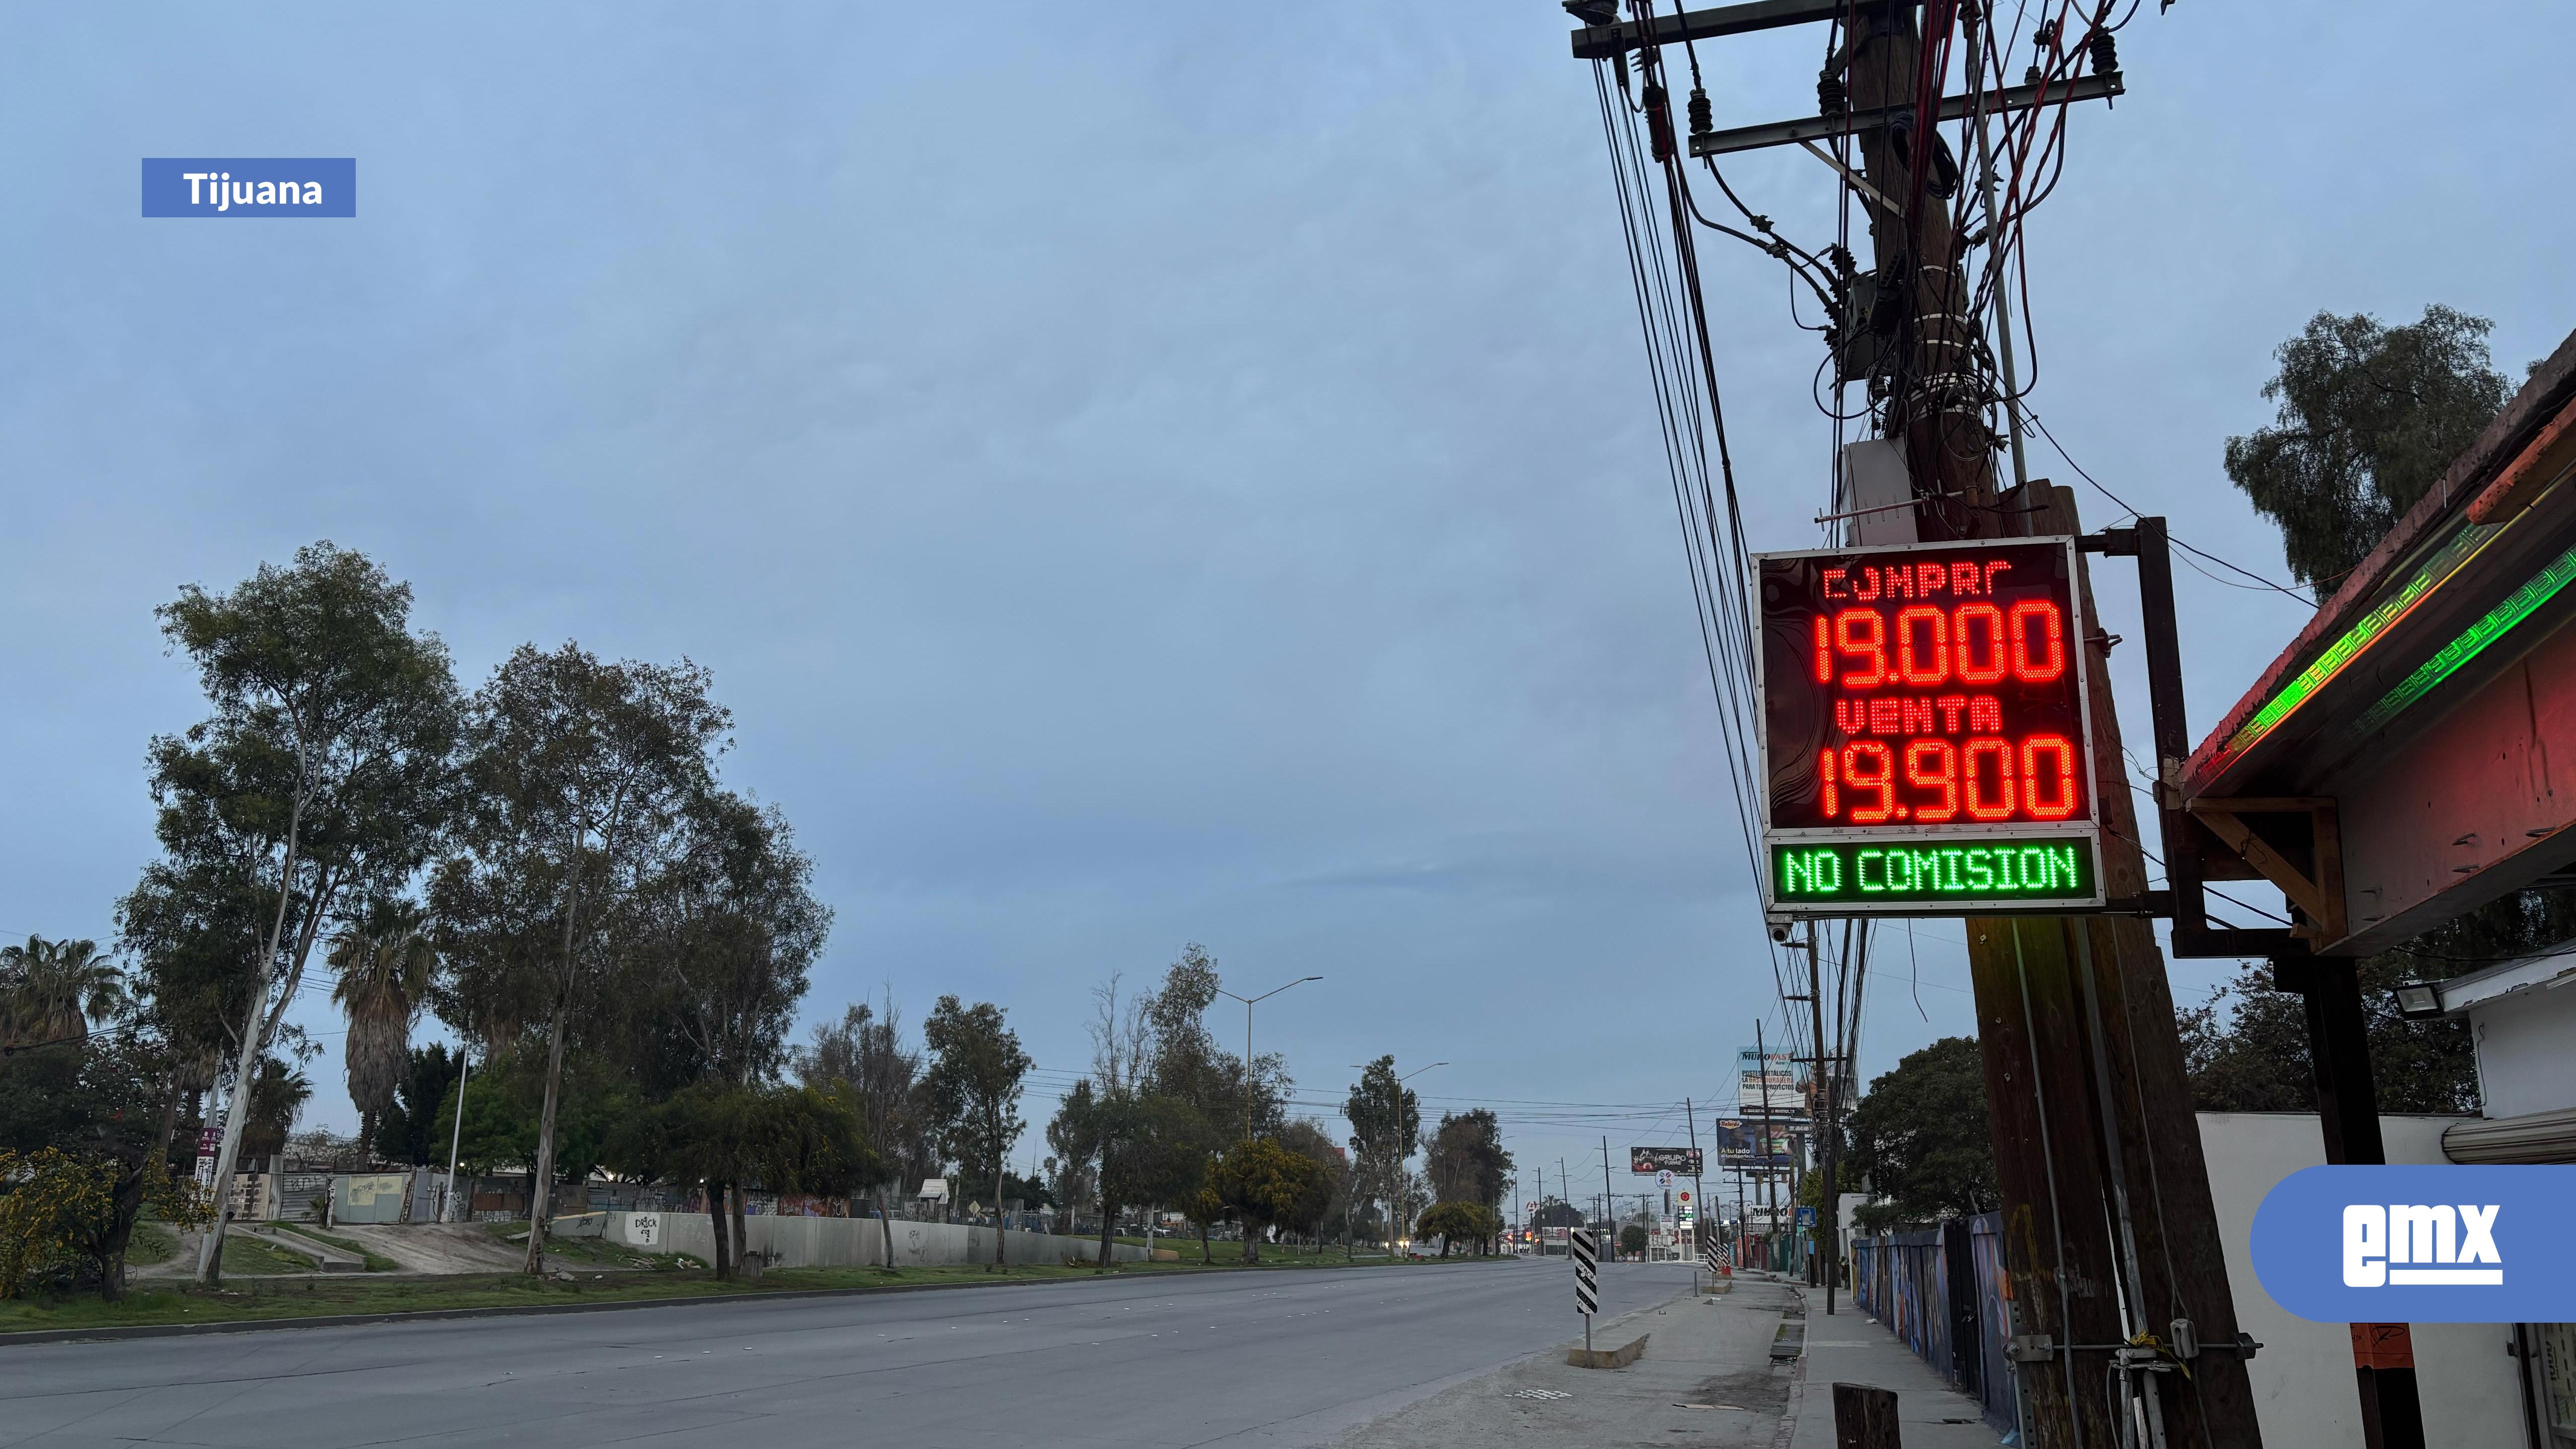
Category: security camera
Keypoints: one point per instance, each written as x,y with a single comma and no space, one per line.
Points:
1780,935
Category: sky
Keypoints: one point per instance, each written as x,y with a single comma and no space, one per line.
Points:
1133,483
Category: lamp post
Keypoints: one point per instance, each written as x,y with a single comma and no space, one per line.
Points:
456,1138
1248,1003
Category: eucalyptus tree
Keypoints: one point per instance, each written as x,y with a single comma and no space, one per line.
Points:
865,1052
581,775
977,1075
385,966
324,772
718,942
1385,1117
730,928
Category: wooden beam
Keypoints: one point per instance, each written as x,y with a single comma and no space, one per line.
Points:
2320,897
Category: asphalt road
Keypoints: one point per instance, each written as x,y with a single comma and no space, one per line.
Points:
1285,1358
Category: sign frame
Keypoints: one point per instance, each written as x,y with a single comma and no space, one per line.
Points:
1646,1161
2089,831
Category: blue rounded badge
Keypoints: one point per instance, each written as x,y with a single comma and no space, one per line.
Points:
2420,1244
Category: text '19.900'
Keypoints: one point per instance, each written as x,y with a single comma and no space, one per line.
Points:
1931,690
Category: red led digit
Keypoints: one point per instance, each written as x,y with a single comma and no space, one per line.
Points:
1975,625
1833,793
1824,651
1999,806
2048,777
1868,766
1861,634
2051,660
1941,773
1913,663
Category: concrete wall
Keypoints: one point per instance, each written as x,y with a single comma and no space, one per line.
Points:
796,1242
2303,1383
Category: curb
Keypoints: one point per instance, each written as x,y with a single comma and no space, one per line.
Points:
531,1310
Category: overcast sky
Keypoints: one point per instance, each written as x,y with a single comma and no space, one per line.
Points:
1137,477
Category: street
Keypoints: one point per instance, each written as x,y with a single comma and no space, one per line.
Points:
1284,1358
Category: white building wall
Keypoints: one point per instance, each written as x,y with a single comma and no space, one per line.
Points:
2526,1052
2303,1379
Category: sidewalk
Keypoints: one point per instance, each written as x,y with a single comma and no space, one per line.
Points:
1850,1348
1706,1382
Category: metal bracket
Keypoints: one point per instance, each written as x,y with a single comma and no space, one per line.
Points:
1821,128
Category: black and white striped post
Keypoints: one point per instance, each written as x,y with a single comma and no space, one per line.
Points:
1587,1280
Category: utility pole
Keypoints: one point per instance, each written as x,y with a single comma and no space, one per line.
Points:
1609,1209
2097,1152
1824,1093
1762,1150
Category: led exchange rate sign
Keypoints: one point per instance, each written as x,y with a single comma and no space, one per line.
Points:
1925,743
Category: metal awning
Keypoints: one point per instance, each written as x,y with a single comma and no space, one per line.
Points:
2428,711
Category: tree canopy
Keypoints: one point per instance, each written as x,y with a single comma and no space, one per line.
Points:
1922,1139
2370,416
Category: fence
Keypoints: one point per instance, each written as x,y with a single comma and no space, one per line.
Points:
1943,1294
801,1242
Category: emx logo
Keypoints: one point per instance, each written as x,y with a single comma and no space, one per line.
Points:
2419,1244
2431,1239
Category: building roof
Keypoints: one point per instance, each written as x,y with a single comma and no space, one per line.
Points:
2551,967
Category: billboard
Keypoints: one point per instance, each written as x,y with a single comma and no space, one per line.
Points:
1649,1160
1925,742
1776,1081
1739,1137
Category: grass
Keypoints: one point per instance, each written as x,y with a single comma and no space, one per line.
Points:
319,1296
376,1262
247,1256
152,1243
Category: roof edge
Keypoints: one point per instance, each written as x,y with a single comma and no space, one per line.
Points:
2551,385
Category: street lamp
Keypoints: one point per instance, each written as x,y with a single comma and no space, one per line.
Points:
1248,1003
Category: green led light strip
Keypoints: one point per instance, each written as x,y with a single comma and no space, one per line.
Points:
2541,588
2435,572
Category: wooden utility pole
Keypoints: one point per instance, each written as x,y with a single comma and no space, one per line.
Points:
2097,1152
1821,1093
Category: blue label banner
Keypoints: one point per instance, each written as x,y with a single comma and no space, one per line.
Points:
253,186
2420,1244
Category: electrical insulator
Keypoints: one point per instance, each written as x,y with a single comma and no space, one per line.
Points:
1659,121
2106,54
1701,125
1831,98
2031,77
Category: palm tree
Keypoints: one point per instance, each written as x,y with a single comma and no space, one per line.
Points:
385,971
51,990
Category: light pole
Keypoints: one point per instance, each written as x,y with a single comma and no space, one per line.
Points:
456,1138
1248,1003
1397,1186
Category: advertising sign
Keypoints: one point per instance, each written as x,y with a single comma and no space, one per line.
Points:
1645,1161
1775,1083
1736,1143
1925,741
